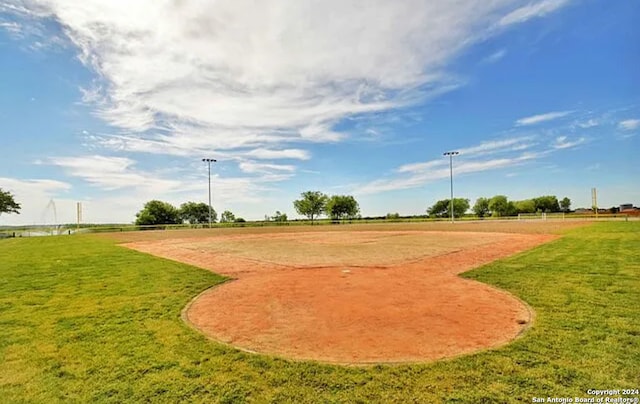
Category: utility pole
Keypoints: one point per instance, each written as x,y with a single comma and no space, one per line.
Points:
451,154
209,161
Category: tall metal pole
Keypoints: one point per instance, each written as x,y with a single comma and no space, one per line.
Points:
451,154
451,177
208,161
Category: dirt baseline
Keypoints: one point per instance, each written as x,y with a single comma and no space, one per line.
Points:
353,297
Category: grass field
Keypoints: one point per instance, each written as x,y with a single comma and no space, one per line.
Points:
82,319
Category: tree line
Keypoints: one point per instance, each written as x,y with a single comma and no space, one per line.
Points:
312,204
499,205
158,212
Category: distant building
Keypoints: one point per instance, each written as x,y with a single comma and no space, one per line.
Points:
629,209
625,208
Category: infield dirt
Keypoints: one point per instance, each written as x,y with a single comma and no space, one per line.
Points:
358,295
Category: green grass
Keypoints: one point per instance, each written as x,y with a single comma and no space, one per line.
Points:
83,320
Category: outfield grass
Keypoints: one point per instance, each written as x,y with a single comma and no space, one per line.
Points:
84,320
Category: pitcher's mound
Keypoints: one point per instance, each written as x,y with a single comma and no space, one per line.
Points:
353,297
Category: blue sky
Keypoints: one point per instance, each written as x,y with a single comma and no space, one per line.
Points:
115,104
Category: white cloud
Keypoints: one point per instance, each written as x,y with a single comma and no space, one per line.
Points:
515,144
33,186
419,167
253,167
495,56
111,173
182,76
489,155
436,171
28,27
532,10
269,154
535,119
12,27
497,146
629,124
563,142
588,124
416,175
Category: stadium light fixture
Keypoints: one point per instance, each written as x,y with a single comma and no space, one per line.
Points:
209,161
451,154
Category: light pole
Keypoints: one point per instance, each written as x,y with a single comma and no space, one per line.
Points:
451,154
209,161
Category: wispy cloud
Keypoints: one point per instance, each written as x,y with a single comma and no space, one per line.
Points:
112,173
496,146
588,124
535,119
12,27
25,187
122,174
629,124
420,174
495,56
28,27
490,155
253,167
270,154
485,148
532,10
517,150
563,142
420,167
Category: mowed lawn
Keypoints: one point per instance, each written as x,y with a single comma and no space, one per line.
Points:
82,319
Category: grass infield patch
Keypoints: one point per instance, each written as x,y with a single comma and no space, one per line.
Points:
84,320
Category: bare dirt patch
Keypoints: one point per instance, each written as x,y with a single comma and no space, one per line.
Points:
353,296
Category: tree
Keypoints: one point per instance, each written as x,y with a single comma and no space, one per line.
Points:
158,212
565,204
311,205
442,208
7,203
279,217
340,207
196,213
481,207
227,217
393,216
500,206
525,206
547,203
460,207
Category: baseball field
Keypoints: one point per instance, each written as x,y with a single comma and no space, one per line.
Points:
428,312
